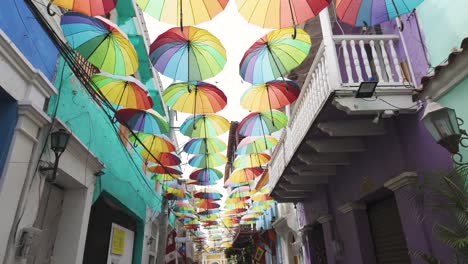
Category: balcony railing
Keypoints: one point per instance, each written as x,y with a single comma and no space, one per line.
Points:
356,58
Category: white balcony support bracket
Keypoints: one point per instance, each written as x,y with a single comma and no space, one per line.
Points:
324,158
354,128
337,145
296,179
306,170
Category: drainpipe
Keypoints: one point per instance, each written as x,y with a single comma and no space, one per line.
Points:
162,233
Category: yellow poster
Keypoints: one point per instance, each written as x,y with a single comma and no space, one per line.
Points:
118,241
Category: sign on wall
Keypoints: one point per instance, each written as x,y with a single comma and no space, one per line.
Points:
118,241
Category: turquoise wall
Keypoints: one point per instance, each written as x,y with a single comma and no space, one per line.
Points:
445,25
457,99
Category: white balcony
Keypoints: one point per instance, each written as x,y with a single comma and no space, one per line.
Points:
340,65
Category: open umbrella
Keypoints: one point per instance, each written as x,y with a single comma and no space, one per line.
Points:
87,7
279,13
251,160
209,211
173,188
236,211
362,13
204,126
273,55
210,160
194,98
207,205
244,175
154,143
100,42
236,200
262,123
182,12
204,146
211,194
190,54
235,205
271,95
206,175
164,170
251,145
123,91
206,183
261,197
165,177
162,158
146,121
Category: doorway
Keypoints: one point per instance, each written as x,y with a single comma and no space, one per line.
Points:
317,245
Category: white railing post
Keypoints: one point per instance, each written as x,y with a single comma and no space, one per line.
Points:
357,63
365,59
378,69
395,61
347,61
334,77
388,69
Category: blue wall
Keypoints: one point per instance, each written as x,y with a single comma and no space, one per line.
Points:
8,118
18,23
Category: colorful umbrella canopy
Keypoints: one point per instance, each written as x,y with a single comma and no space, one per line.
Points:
273,55
362,13
256,144
261,197
164,170
174,189
123,91
154,143
236,200
210,160
204,126
181,12
206,183
87,7
100,42
165,177
206,175
204,146
241,194
271,95
251,160
243,175
236,211
262,123
235,205
146,121
209,211
207,205
190,54
194,98
162,158
208,195
277,13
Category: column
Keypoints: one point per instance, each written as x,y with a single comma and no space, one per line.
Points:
416,236
355,232
328,237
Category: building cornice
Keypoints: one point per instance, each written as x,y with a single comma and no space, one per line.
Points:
351,206
404,179
324,218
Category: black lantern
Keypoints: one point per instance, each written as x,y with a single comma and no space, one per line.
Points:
58,143
444,126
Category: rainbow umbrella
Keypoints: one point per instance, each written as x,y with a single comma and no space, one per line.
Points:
174,189
204,146
190,54
210,160
164,170
236,211
123,91
194,98
251,160
154,143
362,13
245,175
146,121
271,95
273,55
256,144
100,42
165,177
241,194
236,200
279,13
207,205
87,7
181,12
206,183
204,126
206,175
261,197
209,211
262,123
235,205
162,158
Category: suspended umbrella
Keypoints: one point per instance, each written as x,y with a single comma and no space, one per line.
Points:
236,205
271,95
363,13
204,126
181,12
194,98
210,223
162,158
236,211
206,175
261,197
165,177
209,211
207,218
236,200
207,205
273,55
214,195
206,183
124,91
242,189
210,160
243,175
262,123
279,13
190,54
263,204
204,146
174,189
100,42
241,194
164,170
251,160
146,121
86,7
256,144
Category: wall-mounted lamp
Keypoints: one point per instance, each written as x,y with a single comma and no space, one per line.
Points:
444,126
58,143
366,89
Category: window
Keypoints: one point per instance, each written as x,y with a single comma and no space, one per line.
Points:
153,243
